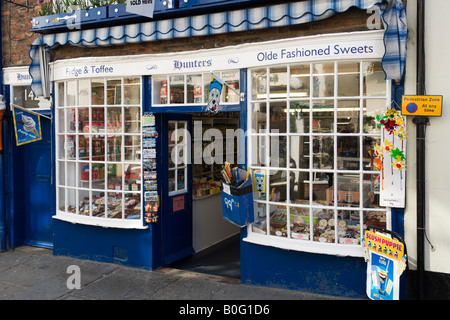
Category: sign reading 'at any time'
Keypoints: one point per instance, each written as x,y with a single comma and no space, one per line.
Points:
422,106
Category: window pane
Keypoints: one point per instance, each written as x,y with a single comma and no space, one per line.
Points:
85,174
348,79
83,92
259,84
181,179
114,205
348,187
98,204
60,99
323,116
299,152
278,151
300,223
371,196
132,175
132,90
132,206
232,79
132,119
374,83
83,147
194,88
348,154
71,93
61,120
278,225
278,82
370,161
324,230
299,115
260,184
132,148
159,89
114,92
70,148
84,203
114,149
298,186
98,176
98,148
177,89
348,116
321,184
323,80
323,152
83,120
98,120
114,177
172,185
371,108
71,201
61,205
259,117
61,175
375,218
348,227
278,185
72,174
299,81
114,116
98,92
278,117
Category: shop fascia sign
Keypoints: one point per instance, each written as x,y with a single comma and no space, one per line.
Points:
348,46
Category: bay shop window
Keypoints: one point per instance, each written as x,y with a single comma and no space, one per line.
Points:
312,135
98,151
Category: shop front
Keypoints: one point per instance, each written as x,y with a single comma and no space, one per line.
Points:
137,151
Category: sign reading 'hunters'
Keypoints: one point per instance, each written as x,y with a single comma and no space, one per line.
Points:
141,7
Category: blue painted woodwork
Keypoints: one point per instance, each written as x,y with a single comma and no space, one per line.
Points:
117,15
30,189
176,224
130,247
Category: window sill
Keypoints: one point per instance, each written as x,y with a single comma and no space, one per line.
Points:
101,222
304,245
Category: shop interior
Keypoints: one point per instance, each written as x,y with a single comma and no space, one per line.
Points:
215,240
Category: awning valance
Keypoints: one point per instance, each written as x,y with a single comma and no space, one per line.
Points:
286,14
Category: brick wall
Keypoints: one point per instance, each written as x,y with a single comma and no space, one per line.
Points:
16,37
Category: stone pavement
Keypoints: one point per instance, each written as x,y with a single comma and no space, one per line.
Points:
30,273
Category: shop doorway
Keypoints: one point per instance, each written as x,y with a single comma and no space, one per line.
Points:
215,241
34,191
176,216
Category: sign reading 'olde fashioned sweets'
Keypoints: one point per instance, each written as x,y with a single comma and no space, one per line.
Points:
141,7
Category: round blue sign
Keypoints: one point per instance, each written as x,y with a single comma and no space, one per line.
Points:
411,107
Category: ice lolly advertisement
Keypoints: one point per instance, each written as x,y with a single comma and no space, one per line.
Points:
27,125
386,261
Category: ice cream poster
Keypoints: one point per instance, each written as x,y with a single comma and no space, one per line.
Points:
27,125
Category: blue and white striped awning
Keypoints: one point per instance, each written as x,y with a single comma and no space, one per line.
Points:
392,12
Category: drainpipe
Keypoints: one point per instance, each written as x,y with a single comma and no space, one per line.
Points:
2,169
421,123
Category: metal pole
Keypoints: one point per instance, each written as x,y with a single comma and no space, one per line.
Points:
421,123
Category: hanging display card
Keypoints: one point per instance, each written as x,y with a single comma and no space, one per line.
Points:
151,199
386,261
27,125
390,158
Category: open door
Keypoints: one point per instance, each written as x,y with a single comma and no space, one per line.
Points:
176,197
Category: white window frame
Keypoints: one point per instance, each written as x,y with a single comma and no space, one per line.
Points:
184,145
61,186
310,245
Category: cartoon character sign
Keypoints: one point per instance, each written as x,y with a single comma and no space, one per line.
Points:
215,89
259,180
